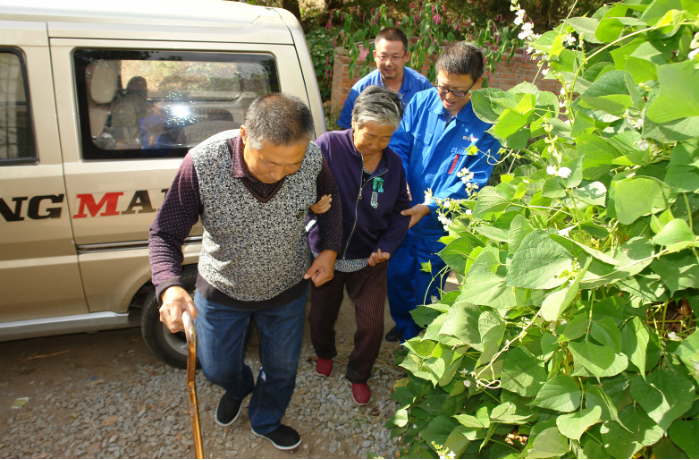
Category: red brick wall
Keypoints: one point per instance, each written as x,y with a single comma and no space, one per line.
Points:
508,74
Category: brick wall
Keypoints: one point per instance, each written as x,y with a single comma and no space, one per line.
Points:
506,75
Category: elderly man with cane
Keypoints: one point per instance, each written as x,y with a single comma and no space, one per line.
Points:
252,189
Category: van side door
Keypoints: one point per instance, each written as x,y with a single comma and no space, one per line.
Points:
39,274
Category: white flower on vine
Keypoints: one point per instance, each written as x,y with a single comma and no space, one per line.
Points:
428,196
520,17
563,172
693,53
468,212
545,71
530,50
672,336
467,384
552,327
569,39
527,31
446,222
643,144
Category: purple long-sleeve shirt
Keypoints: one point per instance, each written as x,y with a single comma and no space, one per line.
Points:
181,210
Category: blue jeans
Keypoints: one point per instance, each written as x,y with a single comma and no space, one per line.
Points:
408,286
221,335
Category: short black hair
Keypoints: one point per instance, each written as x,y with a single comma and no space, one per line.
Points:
461,58
392,34
280,119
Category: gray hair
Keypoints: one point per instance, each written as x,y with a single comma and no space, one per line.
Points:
461,58
378,105
280,119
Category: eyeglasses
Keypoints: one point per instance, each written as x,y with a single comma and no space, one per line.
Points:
391,58
444,90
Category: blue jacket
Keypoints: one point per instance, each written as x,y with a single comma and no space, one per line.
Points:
413,82
433,152
371,217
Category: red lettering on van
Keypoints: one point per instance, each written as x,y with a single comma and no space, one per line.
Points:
109,201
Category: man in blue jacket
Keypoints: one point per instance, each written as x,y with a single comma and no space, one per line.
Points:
436,142
391,55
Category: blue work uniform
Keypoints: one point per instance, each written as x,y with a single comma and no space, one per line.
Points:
434,148
413,82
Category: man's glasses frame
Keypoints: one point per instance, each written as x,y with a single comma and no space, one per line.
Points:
444,90
390,58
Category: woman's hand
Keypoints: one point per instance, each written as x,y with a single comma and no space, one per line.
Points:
323,205
377,258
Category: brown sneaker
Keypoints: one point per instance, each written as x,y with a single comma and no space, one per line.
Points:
324,367
361,393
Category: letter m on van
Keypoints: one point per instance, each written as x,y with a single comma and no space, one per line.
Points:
108,201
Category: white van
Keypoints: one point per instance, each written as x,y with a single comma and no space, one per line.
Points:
99,102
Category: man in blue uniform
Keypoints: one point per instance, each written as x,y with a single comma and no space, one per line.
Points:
391,55
435,142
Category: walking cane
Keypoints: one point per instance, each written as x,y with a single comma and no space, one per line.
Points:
191,333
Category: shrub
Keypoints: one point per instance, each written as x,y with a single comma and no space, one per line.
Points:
573,332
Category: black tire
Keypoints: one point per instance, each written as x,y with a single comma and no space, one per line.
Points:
167,347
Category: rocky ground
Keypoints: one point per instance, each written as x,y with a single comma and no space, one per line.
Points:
105,396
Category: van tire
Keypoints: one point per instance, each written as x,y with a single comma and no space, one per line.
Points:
167,347
172,348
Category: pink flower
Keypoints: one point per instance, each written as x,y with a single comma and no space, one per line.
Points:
327,60
437,19
364,18
329,25
415,20
432,9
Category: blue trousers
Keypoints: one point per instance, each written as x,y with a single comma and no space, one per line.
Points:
408,285
221,335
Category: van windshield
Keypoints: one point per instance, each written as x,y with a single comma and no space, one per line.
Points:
150,104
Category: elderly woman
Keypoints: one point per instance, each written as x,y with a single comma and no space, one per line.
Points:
373,192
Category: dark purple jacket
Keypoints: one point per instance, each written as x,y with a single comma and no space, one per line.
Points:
365,228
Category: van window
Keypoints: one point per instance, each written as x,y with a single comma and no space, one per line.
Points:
151,104
16,133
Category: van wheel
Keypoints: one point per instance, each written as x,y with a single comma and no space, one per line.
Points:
167,347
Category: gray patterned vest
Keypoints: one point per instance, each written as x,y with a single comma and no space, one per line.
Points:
252,251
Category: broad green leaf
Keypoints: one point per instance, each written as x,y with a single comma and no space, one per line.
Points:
458,441
684,434
487,103
492,328
415,365
576,328
522,372
586,26
604,330
548,443
689,348
438,430
640,196
538,263
574,425
577,249
594,358
519,229
667,449
620,443
594,193
510,122
657,223
598,155
634,343
490,202
559,394
423,315
620,363
673,131
422,348
455,254
678,271
664,395
511,414
400,418
597,397
469,421
553,188
558,302
674,101
676,236
462,322
485,287
616,104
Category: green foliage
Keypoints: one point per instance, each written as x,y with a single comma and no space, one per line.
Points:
559,342
429,25
321,44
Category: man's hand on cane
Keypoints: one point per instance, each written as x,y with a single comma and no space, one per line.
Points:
175,301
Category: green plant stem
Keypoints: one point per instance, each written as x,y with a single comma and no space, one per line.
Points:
689,212
662,321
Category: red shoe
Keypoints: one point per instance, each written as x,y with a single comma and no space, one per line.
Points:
324,367
361,393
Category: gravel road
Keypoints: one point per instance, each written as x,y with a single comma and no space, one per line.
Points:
104,396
